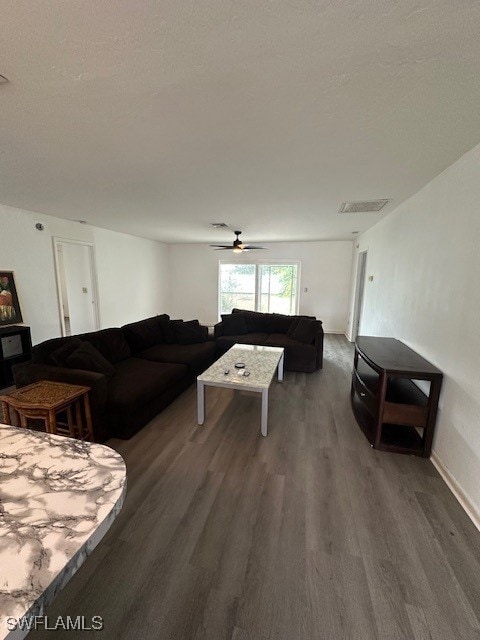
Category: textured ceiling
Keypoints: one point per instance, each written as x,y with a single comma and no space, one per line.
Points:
156,118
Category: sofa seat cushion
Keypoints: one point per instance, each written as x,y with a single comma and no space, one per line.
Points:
137,381
225,342
197,357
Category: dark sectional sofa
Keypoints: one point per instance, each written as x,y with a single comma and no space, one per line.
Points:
301,336
144,367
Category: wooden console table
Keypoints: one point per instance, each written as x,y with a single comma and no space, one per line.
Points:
393,412
45,400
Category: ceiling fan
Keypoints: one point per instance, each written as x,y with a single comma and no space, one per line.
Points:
237,245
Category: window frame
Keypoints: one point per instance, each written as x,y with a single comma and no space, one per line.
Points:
256,264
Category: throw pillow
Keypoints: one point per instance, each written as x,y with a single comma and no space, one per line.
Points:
60,355
88,358
189,332
305,331
234,324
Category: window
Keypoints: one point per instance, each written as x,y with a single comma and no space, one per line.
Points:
266,287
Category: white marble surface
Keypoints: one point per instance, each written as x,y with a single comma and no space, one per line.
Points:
260,361
58,498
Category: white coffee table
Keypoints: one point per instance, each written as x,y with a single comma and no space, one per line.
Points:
261,362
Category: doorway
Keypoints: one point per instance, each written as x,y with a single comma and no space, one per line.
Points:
359,294
76,285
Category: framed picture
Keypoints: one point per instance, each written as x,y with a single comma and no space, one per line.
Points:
9,307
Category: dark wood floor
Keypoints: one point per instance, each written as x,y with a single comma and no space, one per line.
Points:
305,534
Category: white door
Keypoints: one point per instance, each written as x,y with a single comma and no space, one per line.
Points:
76,287
359,291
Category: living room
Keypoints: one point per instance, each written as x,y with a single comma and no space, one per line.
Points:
132,138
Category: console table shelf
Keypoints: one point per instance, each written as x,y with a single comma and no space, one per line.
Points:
392,411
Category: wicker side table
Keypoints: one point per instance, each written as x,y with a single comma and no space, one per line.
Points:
45,400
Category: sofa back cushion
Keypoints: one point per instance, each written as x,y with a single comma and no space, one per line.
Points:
144,334
256,321
279,323
168,329
189,333
234,324
110,342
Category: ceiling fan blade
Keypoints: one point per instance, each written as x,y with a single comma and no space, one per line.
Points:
248,247
222,246
223,249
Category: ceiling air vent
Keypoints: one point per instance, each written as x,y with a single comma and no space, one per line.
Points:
362,206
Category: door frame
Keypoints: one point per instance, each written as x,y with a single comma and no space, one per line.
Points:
359,292
93,274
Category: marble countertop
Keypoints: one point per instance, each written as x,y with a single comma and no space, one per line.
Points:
58,498
260,361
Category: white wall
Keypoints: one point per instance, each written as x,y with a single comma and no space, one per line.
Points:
133,278
134,288
425,261
325,272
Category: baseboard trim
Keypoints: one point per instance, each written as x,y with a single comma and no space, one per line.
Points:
472,512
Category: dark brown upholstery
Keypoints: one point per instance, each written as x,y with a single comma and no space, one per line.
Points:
274,330
145,333
135,384
225,342
298,356
42,353
193,355
110,342
88,358
143,383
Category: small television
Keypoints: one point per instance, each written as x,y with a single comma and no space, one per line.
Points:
12,346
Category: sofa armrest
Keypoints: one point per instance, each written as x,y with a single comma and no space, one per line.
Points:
30,372
218,329
318,342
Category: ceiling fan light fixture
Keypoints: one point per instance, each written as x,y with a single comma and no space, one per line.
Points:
237,245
